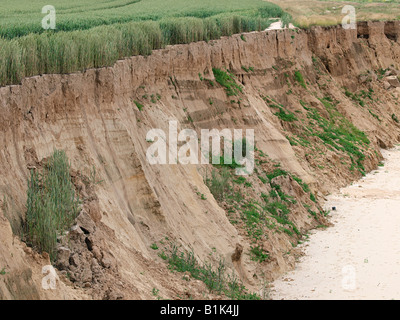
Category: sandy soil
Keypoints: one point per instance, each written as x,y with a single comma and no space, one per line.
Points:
278,26
359,257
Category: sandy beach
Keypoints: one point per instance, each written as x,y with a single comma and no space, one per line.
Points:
359,257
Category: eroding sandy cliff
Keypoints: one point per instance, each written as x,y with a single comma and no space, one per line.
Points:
92,116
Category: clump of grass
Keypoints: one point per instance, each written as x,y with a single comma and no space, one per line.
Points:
227,80
303,185
219,183
276,173
262,179
52,204
292,141
374,115
228,160
139,105
354,97
248,69
155,292
214,277
283,114
258,254
299,78
240,180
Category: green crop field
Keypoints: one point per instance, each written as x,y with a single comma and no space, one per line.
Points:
93,33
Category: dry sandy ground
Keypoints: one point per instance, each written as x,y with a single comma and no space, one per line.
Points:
278,26
359,257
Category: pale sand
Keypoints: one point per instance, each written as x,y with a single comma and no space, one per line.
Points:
278,26
359,257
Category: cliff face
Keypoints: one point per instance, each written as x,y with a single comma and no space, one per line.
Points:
350,75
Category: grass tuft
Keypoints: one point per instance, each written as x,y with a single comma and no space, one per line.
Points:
227,80
52,204
214,277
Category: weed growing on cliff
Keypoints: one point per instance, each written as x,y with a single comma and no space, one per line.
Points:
258,254
93,176
354,97
374,115
339,133
286,115
219,183
227,80
299,78
139,105
214,277
304,185
52,204
276,173
283,114
256,214
248,69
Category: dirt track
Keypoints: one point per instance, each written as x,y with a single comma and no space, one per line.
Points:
359,257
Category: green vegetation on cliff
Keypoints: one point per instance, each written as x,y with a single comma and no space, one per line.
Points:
52,204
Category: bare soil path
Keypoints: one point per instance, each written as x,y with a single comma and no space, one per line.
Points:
359,257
